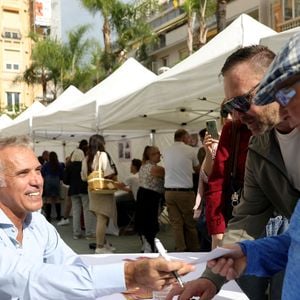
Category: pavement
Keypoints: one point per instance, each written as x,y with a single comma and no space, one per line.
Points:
126,242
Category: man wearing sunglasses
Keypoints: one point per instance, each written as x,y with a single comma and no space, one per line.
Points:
265,257
267,186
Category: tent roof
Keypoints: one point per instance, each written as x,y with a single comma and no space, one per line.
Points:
277,40
5,121
190,92
68,98
21,124
83,116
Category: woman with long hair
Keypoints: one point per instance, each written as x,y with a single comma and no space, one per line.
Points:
102,205
52,172
149,197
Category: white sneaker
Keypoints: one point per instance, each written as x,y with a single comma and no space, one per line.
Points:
109,246
63,222
102,250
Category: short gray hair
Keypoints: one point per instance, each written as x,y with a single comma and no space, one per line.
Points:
13,141
16,141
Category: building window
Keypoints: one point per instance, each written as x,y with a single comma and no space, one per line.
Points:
165,61
13,101
11,34
12,67
291,9
288,9
183,53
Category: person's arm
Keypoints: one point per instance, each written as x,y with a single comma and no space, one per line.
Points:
157,171
153,273
263,258
49,269
215,187
210,145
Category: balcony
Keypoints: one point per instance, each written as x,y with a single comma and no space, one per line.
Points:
289,24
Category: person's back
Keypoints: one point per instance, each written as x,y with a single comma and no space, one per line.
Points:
72,177
179,160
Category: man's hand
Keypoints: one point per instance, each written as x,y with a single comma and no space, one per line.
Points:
153,273
202,287
230,266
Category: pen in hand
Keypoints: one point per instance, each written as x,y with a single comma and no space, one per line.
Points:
163,252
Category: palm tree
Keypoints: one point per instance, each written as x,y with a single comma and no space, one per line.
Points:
190,7
105,8
76,51
221,14
197,10
128,22
46,66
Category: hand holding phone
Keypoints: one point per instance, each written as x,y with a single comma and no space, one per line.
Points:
212,129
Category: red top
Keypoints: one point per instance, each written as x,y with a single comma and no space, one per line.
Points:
218,180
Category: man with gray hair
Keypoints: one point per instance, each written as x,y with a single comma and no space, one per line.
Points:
35,262
180,161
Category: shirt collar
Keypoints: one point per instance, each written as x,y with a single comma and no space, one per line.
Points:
6,222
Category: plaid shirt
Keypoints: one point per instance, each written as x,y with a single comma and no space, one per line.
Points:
285,65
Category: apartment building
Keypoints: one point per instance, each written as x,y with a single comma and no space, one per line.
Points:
17,19
170,23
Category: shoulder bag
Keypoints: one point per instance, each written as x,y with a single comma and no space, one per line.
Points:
98,184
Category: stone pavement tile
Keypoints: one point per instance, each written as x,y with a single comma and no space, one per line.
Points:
126,242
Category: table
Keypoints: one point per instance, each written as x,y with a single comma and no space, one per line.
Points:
230,291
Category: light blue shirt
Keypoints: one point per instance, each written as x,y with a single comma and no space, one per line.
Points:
44,267
266,257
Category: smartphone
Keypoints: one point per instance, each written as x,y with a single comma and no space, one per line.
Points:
212,129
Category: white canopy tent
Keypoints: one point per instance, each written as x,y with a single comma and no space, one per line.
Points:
83,117
5,121
22,124
190,92
45,123
276,41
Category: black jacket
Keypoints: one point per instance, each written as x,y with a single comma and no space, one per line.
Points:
72,178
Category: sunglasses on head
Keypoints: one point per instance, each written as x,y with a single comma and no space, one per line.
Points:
240,103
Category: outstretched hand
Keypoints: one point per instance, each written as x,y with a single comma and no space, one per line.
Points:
155,273
231,265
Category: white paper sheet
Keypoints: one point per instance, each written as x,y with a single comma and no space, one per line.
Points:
230,291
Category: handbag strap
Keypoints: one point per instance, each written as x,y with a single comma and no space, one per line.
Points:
234,149
101,175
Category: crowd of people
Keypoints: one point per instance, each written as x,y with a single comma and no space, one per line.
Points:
246,198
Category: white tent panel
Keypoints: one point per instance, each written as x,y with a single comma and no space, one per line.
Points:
183,88
84,116
68,98
5,121
22,123
276,41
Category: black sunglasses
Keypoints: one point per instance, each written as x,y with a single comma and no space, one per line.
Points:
240,103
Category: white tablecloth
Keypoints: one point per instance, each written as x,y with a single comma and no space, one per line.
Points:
230,290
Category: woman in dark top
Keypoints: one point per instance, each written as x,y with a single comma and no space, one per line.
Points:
52,172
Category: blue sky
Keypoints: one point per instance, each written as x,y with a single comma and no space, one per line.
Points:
73,14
